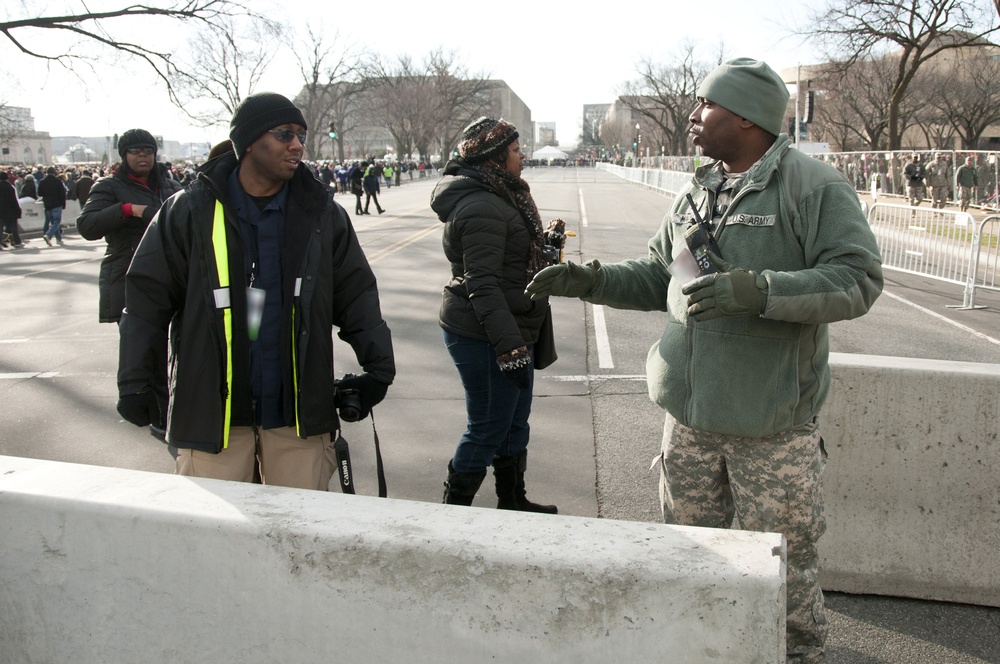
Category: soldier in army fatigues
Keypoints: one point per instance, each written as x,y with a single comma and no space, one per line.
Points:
742,366
939,180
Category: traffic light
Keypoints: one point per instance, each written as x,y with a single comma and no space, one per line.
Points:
810,106
333,130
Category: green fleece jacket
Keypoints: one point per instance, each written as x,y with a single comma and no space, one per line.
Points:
797,223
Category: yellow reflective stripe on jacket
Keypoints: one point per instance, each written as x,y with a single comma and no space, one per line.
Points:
222,265
295,375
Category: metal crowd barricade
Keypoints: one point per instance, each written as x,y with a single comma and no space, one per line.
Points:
935,243
984,262
666,182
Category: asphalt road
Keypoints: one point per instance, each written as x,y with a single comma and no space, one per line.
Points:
594,429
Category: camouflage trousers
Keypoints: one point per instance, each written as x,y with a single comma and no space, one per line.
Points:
915,193
964,197
770,484
939,196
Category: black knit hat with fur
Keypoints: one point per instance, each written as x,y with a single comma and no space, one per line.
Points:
135,138
486,138
259,113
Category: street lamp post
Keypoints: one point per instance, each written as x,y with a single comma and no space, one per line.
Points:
638,138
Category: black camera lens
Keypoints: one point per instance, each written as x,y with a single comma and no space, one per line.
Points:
348,401
350,406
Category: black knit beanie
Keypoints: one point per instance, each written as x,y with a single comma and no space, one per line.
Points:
135,138
485,138
259,113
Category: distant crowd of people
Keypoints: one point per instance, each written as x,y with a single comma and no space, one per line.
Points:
58,183
937,176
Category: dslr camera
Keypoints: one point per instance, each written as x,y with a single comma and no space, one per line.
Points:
347,401
555,241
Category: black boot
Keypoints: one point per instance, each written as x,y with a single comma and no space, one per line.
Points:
509,473
461,488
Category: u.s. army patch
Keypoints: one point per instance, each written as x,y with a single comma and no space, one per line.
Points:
753,219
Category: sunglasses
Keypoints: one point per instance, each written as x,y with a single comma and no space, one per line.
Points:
286,135
140,151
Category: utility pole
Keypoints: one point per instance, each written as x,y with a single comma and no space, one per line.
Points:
798,89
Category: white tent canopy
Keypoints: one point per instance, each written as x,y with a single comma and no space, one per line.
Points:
549,152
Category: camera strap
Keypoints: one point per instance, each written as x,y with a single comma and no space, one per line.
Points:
342,452
345,474
379,469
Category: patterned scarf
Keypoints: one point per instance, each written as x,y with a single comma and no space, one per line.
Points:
517,192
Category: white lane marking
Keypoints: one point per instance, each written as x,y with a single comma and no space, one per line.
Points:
13,341
604,360
22,375
583,211
593,377
964,328
405,242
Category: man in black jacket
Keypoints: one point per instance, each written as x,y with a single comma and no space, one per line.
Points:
249,270
53,194
81,189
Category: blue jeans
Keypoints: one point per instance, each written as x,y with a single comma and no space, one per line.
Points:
496,408
53,223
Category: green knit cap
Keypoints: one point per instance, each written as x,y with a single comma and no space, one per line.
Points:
751,90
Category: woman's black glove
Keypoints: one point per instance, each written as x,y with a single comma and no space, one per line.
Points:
141,409
368,390
516,365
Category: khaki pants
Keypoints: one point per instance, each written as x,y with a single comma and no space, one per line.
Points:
770,484
285,459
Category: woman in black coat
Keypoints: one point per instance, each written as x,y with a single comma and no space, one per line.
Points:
356,177
372,188
494,240
119,208
10,211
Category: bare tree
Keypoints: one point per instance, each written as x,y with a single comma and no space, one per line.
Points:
228,61
968,96
615,134
401,102
459,97
852,109
11,124
34,35
919,29
664,96
334,76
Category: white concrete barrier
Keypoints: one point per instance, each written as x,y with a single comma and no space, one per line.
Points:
108,565
912,486
33,215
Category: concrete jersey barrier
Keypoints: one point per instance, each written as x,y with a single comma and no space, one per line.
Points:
911,487
33,215
109,565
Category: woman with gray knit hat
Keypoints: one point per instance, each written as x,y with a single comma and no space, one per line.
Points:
493,238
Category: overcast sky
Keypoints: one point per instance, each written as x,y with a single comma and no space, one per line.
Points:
556,56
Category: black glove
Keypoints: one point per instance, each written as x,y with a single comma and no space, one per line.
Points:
370,391
141,409
516,365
